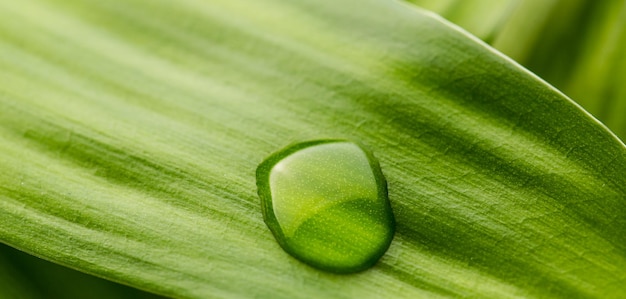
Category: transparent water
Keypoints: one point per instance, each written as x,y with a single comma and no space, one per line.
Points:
326,203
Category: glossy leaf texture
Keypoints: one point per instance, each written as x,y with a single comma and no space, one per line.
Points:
130,132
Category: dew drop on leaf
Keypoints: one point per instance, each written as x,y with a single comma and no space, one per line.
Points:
326,203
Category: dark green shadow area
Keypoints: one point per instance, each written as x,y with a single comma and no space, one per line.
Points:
27,276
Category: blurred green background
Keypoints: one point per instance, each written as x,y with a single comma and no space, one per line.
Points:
579,46
26,276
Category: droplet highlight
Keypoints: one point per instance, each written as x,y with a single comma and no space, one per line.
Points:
326,203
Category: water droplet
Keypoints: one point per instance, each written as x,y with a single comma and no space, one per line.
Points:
326,203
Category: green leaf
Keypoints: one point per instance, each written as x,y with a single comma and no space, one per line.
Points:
582,54
24,276
130,132
576,45
12,283
483,18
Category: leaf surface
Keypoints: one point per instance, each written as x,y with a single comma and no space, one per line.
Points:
130,132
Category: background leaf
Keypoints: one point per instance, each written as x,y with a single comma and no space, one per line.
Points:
24,276
130,132
576,45
483,18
